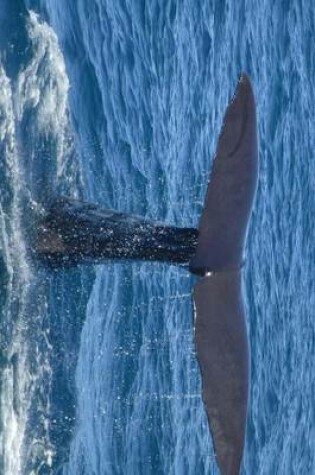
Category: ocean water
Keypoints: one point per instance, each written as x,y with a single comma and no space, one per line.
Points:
121,103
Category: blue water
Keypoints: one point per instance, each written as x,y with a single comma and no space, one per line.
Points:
120,103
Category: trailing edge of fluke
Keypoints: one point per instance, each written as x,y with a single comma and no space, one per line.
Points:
220,328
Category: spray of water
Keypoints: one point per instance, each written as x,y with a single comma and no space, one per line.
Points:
40,91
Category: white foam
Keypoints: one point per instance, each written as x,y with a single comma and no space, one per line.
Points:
41,88
13,249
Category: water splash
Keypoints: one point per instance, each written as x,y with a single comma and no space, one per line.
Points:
34,130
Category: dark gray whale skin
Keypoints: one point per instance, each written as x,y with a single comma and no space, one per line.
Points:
232,187
222,352
73,232
220,328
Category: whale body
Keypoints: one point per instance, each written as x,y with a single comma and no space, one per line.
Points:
73,232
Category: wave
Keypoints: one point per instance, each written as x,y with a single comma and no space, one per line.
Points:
38,151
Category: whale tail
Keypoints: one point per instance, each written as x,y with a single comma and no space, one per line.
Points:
73,232
220,328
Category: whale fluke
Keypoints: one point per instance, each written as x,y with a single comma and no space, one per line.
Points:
222,352
220,328
232,186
